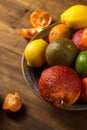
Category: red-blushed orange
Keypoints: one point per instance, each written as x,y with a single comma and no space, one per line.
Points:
60,85
76,38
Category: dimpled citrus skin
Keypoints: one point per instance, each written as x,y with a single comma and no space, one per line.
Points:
61,52
75,16
59,31
60,85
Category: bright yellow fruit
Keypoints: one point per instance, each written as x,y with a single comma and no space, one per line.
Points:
75,16
35,53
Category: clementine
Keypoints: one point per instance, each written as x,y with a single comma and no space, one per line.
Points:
29,33
40,19
59,31
12,102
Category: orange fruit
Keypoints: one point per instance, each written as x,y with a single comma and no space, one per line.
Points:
84,38
84,90
59,31
40,19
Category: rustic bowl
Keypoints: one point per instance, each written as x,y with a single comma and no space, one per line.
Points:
31,75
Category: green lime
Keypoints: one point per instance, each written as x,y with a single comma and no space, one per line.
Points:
61,52
81,63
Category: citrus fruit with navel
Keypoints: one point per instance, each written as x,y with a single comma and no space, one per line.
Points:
62,51
59,31
35,53
60,85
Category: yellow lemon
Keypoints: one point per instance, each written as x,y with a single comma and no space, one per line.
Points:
75,16
35,53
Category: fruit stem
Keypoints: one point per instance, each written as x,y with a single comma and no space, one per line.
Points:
62,102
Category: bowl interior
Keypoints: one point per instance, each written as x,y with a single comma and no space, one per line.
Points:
31,75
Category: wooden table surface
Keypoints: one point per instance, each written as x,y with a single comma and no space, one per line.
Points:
35,114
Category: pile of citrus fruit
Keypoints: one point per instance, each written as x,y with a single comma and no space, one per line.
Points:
64,80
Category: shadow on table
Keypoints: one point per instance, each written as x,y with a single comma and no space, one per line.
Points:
17,116
70,120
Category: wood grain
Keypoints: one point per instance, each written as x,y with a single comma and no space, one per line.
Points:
35,114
